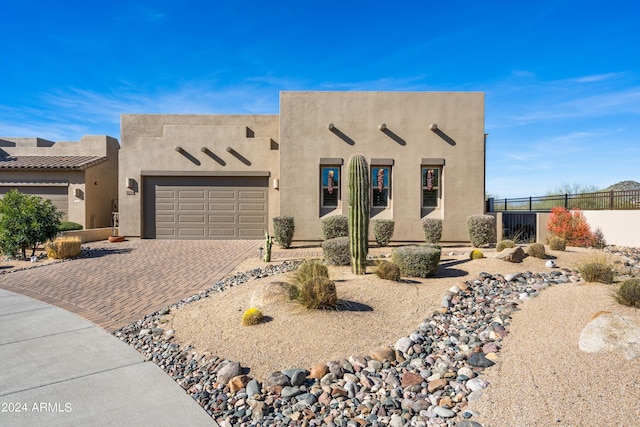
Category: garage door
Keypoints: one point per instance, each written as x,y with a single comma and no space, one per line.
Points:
59,195
205,207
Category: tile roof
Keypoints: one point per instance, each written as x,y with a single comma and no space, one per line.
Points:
50,162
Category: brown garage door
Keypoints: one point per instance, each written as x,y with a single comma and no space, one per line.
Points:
205,207
59,195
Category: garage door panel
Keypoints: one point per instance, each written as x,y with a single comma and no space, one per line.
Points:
207,207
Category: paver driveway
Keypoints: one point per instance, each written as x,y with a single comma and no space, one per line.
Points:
120,283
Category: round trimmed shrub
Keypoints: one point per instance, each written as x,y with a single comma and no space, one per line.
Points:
557,243
318,292
388,271
536,250
335,226
629,293
283,229
383,231
253,316
69,226
417,261
432,228
504,244
336,251
481,229
476,254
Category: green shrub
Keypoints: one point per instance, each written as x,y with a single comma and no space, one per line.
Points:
64,248
432,228
476,254
335,226
69,226
596,272
336,251
504,244
557,243
253,316
388,271
417,261
536,250
481,229
308,269
318,292
598,239
283,229
628,293
383,231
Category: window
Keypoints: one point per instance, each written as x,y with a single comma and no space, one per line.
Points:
380,176
330,178
430,186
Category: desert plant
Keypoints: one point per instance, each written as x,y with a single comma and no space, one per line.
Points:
571,226
599,241
25,222
283,230
388,271
481,229
252,316
557,243
504,244
359,208
308,269
536,250
336,251
69,226
417,261
432,228
268,243
383,231
64,248
318,292
628,293
476,254
596,268
335,226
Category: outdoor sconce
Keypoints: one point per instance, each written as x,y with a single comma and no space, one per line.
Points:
276,183
130,183
433,127
78,193
383,127
179,149
330,126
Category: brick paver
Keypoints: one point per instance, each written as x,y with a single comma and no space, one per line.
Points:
122,282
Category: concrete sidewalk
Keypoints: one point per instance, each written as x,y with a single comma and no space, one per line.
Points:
57,369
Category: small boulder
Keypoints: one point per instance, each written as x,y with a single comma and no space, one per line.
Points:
516,254
384,354
228,371
611,332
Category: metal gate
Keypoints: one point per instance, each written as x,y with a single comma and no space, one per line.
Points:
519,226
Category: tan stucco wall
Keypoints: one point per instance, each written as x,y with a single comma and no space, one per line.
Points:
305,139
149,142
620,228
94,207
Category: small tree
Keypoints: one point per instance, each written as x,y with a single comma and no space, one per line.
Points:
25,222
571,226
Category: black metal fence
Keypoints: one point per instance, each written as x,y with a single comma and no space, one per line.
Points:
603,200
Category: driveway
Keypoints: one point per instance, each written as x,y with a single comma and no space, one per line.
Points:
119,283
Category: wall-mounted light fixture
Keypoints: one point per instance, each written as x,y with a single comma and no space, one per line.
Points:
130,183
330,126
276,183
179,149
78,193
382,126
433,127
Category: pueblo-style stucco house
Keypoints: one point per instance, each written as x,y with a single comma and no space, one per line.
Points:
226,176
80,178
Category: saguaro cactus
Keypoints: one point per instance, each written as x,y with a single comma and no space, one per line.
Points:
358,171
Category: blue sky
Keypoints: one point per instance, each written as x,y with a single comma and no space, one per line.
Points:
561,78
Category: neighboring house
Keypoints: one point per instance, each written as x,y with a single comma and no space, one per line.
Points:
226,176
80,178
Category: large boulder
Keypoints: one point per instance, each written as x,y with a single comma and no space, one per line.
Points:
611,332
516,254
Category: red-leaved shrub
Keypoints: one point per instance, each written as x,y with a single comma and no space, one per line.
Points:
571,226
